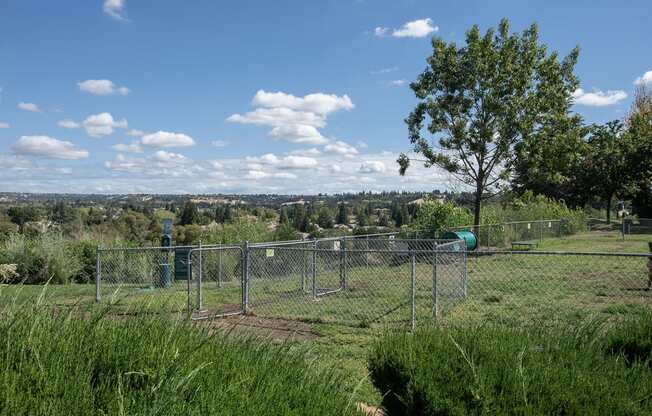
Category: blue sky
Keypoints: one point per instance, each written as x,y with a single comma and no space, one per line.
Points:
251,96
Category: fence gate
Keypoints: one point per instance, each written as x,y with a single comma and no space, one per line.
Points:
215,281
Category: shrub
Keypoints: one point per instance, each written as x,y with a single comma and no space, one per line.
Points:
434,217
500,370
40,259
85,254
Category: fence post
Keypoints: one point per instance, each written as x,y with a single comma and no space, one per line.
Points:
314,270
414,290
245,278
343,263
200,305
303,269
188,282
219,267
98,274
435,307
465,275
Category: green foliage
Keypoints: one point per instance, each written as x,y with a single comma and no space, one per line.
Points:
189,214
286,232
492,370
482,99
342,214
325,219
433,217
56,364
39,260
20,215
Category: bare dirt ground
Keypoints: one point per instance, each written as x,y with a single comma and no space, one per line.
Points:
275,330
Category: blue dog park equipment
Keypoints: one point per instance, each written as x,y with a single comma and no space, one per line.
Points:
469,238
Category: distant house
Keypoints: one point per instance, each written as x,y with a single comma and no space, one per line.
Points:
290,203
419,202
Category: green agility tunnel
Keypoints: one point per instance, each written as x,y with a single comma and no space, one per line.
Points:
466,235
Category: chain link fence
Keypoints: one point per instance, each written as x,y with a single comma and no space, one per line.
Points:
373,280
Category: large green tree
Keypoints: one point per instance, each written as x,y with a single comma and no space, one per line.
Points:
477,101
607,164
639,127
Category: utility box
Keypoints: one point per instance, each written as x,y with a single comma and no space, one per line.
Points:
181,266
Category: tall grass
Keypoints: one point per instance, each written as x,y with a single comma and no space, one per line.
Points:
66,364
492,370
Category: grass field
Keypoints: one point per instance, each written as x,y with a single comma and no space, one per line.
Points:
504,289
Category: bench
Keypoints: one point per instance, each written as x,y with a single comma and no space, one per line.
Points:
525,245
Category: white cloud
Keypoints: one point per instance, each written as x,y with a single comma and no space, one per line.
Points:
29,107
598,98
102,87
170,158
312,152
298,133
644,79
122,163
286,162
318,103
102,124
341,148
115,9
291,118
361,145
372,166
384,70
4,125
167,139
15,163
398,82
220,143
414,29
381,31
47,148
135,133
68,124
133,147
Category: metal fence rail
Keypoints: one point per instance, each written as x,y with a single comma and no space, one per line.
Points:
374,280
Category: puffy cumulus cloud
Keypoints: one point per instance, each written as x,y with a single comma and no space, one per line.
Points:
598,98
46,147
291,118
372,166
133,147
414,29
4,125
68,124
102,87
115,9
29,107
341,148
170,158
314,103
102,124
645,79
312,152
259,174
298,133
122,163
284,162
165,139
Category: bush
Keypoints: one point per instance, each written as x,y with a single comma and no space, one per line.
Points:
85,253
500,370
40,259
60,365
433,217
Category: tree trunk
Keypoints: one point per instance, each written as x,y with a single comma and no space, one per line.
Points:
477,202
609,209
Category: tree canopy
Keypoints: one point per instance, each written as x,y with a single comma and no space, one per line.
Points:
478,101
